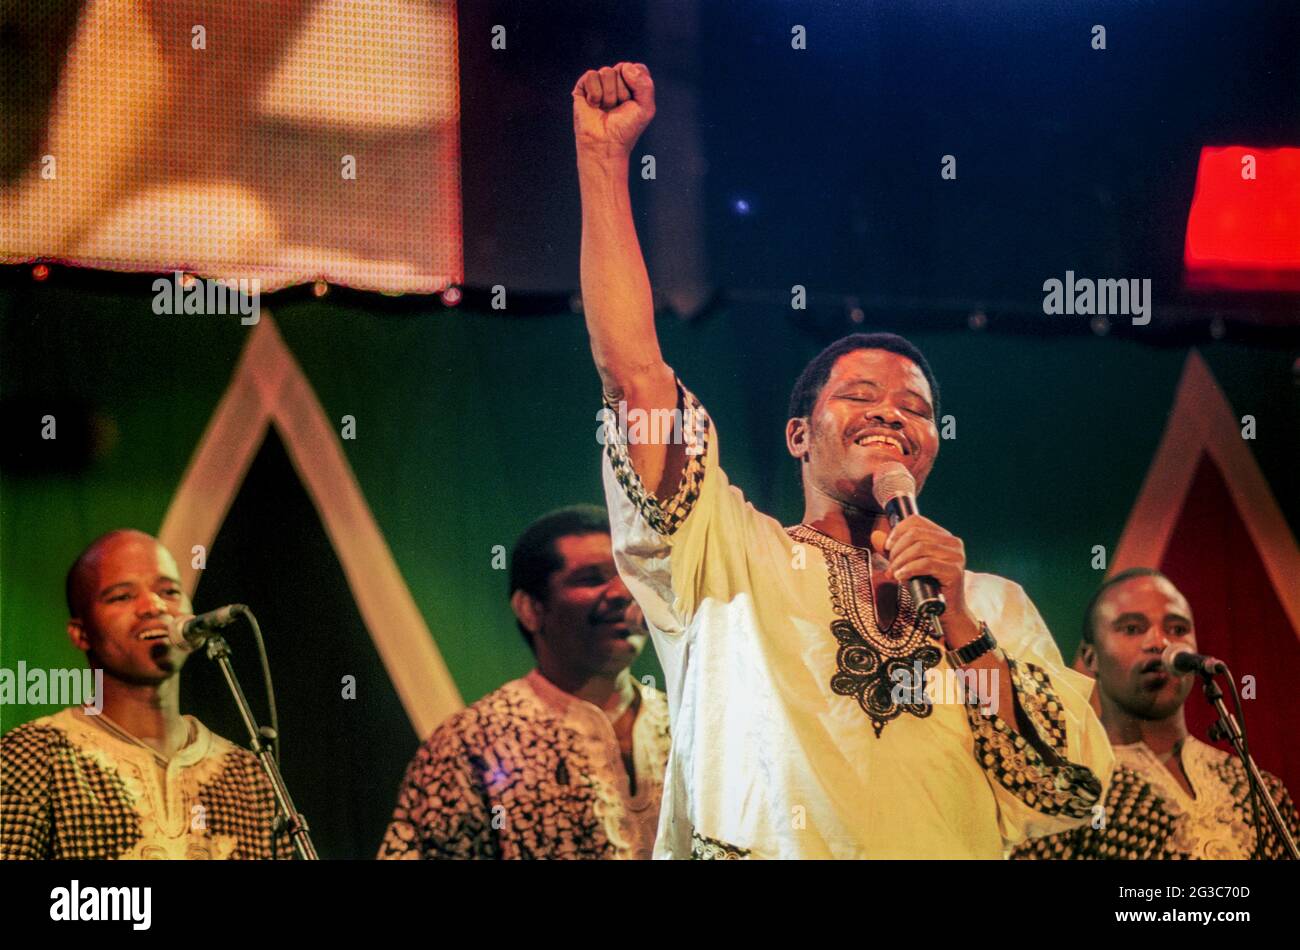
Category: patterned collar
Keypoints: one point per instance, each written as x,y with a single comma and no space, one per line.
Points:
1214,826
823,540
89,731
1142,758
602,744
561,702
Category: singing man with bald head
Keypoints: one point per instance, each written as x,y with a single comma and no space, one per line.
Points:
138,779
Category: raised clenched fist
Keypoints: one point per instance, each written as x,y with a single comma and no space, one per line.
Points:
611,107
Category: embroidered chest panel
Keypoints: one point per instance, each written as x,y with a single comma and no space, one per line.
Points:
106,805
1217,823
509,778
883,669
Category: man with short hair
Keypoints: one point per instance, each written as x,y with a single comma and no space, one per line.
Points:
1171,795
567,762
138,779
792,654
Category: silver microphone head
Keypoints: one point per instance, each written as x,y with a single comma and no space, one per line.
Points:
176,629
890,481
1169,657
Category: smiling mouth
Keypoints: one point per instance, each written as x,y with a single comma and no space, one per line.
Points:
155,633
888,441
618,627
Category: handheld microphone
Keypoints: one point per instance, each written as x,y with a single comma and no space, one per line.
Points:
196,631
895,491
1179,658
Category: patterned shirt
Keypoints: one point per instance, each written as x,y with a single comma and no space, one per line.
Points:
72,788
530,771
1149,815
790,737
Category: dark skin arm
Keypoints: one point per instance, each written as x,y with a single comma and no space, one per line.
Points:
611,108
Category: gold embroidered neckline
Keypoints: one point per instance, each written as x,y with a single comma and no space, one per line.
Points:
870,617
844,546
103,720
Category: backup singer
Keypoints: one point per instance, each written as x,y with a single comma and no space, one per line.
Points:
568,761
783,647
137,780
1172,796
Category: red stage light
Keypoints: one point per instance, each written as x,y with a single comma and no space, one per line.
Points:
451,296
1243,230
40,272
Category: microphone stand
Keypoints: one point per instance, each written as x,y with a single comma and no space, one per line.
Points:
1228,728
219,651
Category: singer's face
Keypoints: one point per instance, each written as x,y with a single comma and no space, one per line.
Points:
132,592
875,409
584,623
1133,623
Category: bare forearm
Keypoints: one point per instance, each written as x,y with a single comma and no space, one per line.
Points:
616,294
611,107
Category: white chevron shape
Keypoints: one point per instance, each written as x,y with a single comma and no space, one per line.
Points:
1202,421
268,387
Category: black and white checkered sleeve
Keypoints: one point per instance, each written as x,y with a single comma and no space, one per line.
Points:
1034,776
241,803
25,794
1135,825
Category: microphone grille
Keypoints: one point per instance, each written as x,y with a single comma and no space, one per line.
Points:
1171,653
890,481
176,632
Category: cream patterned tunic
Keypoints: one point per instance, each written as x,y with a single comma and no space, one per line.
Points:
530,771
1149,815
789,739
73,789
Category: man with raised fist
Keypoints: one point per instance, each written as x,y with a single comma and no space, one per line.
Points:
802,679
